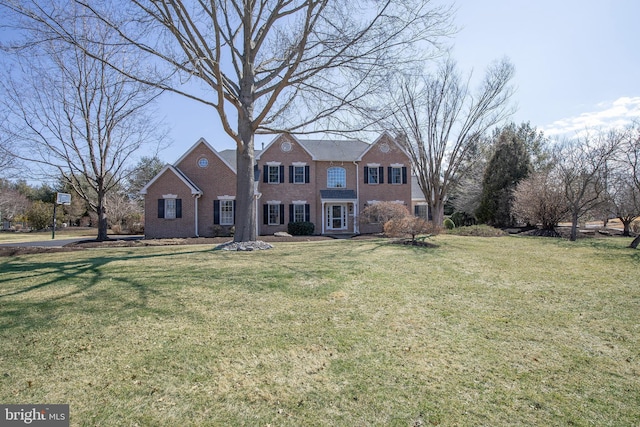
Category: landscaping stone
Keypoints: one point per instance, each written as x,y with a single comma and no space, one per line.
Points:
244,246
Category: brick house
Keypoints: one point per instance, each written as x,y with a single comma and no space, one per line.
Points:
324,182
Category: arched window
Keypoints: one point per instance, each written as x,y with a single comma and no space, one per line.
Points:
336,178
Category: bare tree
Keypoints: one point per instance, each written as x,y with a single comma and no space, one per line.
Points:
269,65
12,202
442,121
630,159
539,199
75,114
581,166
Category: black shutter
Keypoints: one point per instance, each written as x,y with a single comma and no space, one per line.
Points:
389,175
178,208
265,214
265,173
306,175
216,212
160,208
366,174
281,174
281,214
404,174
290,213
307,209
416,211
290,174
234,212
381,173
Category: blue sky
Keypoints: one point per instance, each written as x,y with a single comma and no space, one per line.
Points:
577,66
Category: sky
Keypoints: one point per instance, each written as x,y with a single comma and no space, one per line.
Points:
577,66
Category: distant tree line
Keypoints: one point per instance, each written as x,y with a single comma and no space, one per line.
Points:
518,176
25,206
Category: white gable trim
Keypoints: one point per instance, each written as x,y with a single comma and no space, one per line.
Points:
375,143
169,168
277,139
210,147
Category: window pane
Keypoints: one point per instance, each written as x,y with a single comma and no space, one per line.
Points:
274,214
274,174
226,212
170,208
396,175
336,178
373,176
298,213
298,174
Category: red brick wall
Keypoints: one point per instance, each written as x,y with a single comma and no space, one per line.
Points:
286,192
384,191
214,180
155,227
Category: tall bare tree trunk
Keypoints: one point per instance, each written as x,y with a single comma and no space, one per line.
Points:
102,218
574,226
437,212
245,159
635,242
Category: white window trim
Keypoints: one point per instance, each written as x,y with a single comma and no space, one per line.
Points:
169,196
225,197
303,211
278,205
377,173
274,163
299,164
397,165
294,173
167,210
394,168
373,165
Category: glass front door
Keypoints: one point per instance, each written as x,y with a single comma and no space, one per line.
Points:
336,217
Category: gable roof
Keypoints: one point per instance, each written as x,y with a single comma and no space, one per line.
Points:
225,159
172,169
229,157
347,150
388,136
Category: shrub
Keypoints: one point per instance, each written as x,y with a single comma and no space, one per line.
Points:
40,215
302,228
410,226
477,230
448,224
382,212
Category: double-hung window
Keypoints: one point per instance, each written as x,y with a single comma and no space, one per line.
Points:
397,174
273,213
299,212
170,207
224,211
373,174
273,173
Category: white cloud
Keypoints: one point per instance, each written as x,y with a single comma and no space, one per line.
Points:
608,115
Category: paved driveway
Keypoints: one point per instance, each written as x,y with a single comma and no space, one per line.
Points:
58,243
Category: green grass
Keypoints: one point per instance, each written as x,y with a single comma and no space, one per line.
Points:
34,236
507,331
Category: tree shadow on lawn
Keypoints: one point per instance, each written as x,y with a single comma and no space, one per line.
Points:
81,277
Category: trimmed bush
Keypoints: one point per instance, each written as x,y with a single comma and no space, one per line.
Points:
303,228
448,224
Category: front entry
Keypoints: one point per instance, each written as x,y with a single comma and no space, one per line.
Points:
337,217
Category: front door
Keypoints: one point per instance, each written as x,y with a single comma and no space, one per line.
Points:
336,217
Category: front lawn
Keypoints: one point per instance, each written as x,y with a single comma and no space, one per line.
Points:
478,331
